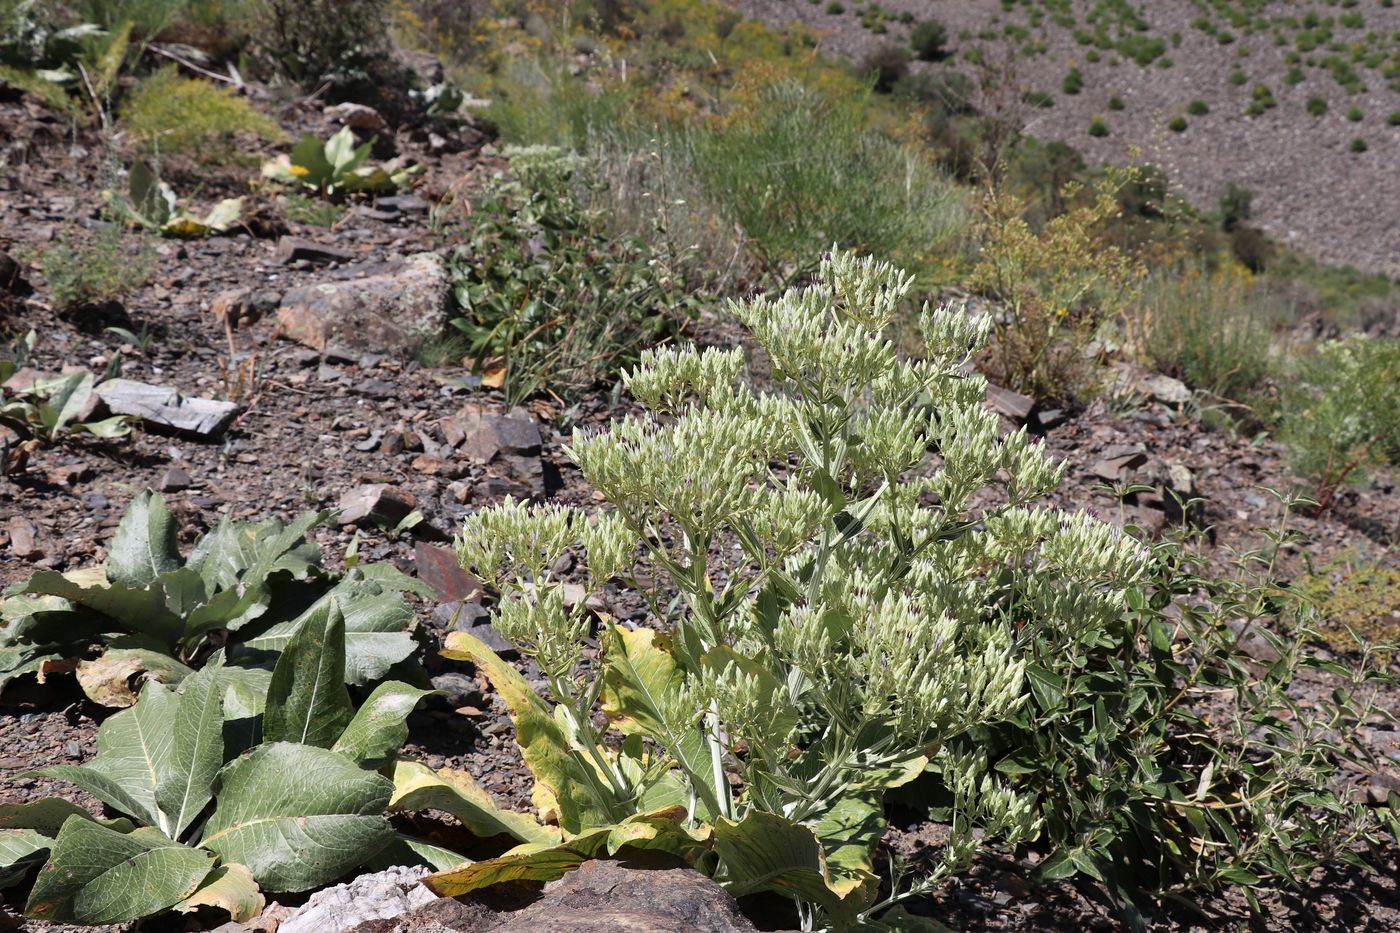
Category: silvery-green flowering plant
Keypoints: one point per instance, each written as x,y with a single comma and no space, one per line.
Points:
828,608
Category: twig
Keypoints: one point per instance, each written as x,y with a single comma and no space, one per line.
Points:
193,67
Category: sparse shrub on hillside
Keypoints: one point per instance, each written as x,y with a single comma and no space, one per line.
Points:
835,7
1358,145
1198,108
886,66
1073,82
1097,127
1115,103
1316,106
1355,605
1039,99
929,40
88,269
1355,115
1238,77
1236,205
1261,101
167,114
1251,247
1393,119
1177,124
325,41
1342,411
1057,285
1210,330
549,301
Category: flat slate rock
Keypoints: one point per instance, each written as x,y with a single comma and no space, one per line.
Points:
164,406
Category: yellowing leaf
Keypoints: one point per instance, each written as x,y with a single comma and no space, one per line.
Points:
230,888
418,787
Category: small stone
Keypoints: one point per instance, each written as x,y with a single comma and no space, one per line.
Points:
374,501
174,480
24,538
1011,404
70,474
381,895
240,307
1165,389
438,567
357,117
292,249
436,466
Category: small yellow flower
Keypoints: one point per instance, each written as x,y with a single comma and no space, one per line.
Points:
299,171
1061,312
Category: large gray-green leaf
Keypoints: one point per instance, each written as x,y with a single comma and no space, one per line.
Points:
768,852
376,629
298,816
134,750
144,546
237,552
408,850
198,749
307,701
64,399
20,850
142,609
96,875
380,726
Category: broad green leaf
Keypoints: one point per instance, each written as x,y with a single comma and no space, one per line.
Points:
307,701
407,850
240,552
309,153
141,609
134,750
108,429
107,680
20,850
418,787
380,726
45,816
767,852
561,780
95,875
198,751
849,832
144,546
376,629
230,888
545,862
64,399
298,816
340,150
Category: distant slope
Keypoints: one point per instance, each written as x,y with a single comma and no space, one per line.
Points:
1312,191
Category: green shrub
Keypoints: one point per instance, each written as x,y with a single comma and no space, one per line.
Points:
1251,248
1261,100
1236,205
836,7
1358,145
1115,103
1198,108
148,17
85,269
1317,106
1177,124
929,40
1294,76
1393,119
1097,127
168,114
318,41
837,653
548,300
244,589
1073,82
1211,331
1040,99
1238,78
886,66
1342,411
